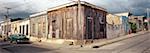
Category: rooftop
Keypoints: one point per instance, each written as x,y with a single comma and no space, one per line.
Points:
73,3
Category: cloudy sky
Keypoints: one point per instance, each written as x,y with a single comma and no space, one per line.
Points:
23,8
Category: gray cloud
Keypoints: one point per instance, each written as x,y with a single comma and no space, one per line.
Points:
23,8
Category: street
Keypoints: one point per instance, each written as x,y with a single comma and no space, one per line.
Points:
74,26
138,44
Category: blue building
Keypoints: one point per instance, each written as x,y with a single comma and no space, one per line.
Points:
125,24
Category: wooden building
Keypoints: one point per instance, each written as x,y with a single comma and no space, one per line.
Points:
38,25
64,22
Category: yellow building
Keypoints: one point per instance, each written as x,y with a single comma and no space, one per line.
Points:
114,26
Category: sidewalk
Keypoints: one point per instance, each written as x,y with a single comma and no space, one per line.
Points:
50,45
109,41
90,46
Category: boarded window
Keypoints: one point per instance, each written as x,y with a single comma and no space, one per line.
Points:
44,27
39,28
33,28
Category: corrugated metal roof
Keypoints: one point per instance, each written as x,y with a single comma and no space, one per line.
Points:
73,3
38,14
64,5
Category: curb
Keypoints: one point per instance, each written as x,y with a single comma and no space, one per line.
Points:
118,39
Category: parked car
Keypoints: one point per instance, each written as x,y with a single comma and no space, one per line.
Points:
16,38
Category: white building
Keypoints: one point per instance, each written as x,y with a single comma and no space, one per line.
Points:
15,27
24,27
5,28
1,27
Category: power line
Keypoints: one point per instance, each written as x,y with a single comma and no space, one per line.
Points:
8,8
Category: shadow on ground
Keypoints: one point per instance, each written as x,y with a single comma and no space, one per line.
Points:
29,49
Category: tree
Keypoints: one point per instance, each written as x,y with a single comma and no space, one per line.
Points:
133,27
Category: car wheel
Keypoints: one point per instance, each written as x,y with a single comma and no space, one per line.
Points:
14,42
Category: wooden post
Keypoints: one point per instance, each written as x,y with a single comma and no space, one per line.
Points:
79,21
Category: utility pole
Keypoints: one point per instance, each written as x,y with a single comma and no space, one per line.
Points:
7,20
147,13
147,10
78,19
130,11
7,8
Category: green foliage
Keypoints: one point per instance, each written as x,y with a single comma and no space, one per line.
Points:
133,27
145,23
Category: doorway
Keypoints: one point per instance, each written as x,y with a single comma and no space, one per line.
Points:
89,28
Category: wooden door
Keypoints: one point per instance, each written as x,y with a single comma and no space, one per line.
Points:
53,28
69,27
89,28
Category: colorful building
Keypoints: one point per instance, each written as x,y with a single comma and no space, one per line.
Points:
125,24
125,21
114,26
139,22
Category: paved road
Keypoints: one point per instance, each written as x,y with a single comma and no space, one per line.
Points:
27,48
139,44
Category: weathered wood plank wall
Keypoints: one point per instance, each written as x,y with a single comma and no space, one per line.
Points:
65,24
38,26
95,23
